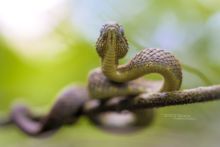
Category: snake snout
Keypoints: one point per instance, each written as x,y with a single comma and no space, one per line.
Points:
112,27
111,30
112,34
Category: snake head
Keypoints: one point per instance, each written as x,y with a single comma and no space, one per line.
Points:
112,34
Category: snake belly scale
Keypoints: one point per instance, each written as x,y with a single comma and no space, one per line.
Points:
113,79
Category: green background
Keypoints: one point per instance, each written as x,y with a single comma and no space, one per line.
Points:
190,29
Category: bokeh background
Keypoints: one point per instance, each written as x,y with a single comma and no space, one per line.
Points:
46,45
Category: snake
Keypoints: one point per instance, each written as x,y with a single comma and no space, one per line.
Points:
111,80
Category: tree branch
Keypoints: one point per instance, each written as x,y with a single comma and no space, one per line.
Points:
74,102
157,100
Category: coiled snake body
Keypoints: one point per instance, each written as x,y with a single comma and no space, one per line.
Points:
119,80
109,81
123,80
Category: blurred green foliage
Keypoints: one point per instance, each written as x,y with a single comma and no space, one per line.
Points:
189,28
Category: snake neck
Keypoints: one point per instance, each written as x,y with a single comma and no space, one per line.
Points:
110,64
146,62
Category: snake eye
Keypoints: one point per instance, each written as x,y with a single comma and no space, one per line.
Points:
121,30
101,31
